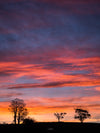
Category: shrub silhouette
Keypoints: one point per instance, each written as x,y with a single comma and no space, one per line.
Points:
81,114
28,121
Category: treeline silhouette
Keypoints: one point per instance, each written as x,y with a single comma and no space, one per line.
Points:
20,112
23,123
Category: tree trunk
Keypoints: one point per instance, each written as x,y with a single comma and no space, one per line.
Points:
14,117
58,119
19,118
82,121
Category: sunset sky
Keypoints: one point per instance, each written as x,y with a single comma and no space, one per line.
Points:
50,57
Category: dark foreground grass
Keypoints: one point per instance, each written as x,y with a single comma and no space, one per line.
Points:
53,127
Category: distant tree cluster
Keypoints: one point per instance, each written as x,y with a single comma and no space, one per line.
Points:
17,107
80,114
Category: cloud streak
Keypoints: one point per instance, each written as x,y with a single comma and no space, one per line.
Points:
55,84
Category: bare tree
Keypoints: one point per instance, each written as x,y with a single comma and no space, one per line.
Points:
81,114
60,116
17,107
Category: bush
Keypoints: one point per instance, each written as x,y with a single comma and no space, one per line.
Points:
29,121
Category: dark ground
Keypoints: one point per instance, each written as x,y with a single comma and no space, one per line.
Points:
51,128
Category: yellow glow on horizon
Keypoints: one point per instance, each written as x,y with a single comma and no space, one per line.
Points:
45,116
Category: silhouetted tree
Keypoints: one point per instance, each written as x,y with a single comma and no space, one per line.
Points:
28,121
81,114
22,113
17,107
60,116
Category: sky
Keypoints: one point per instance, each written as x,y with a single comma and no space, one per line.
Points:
50,57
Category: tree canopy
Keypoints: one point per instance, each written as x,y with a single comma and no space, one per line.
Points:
81,114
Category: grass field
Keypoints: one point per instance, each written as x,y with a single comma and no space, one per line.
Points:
53,127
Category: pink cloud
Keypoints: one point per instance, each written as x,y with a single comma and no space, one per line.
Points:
52,75
97,88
